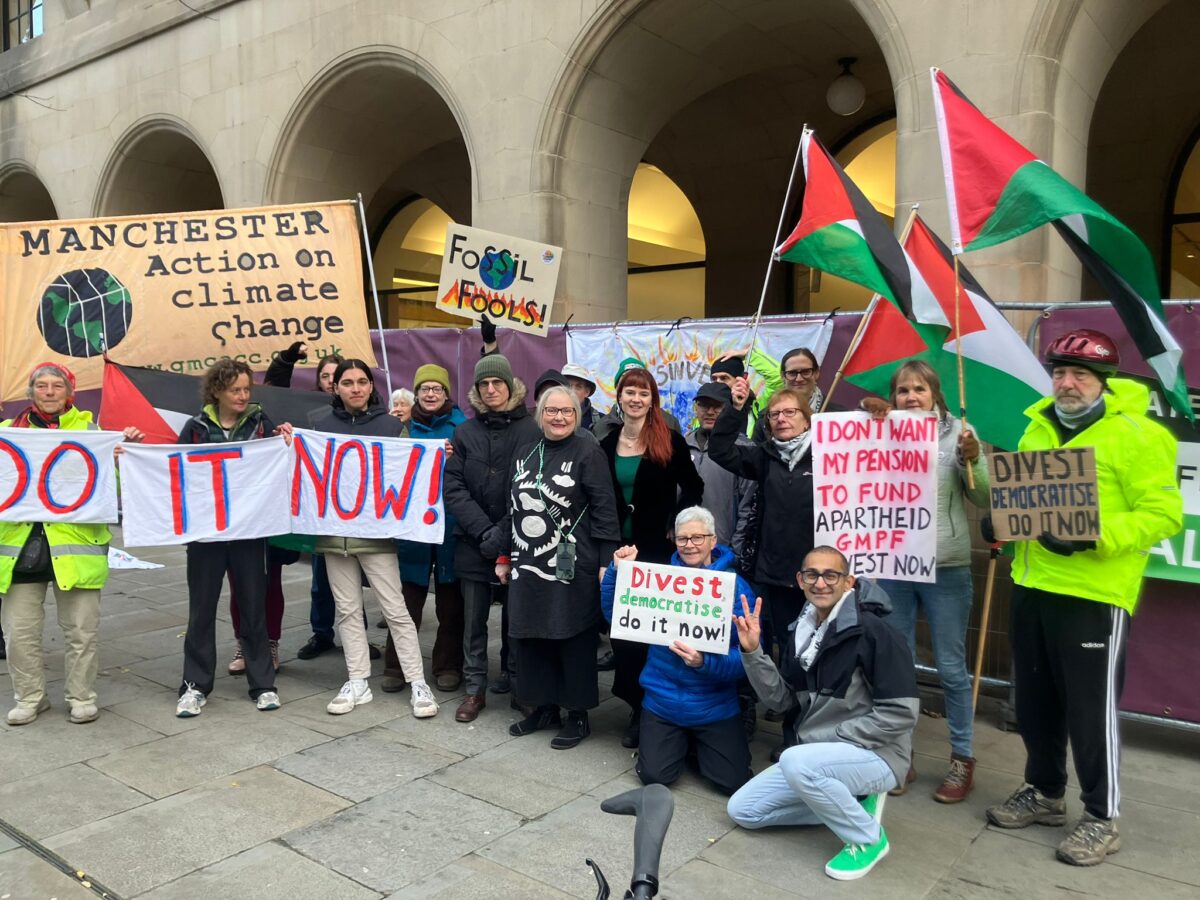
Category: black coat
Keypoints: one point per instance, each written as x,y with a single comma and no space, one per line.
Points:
374,421
785,498
658,494
476,480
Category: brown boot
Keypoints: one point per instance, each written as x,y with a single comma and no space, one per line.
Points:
958,781
468,710
908,779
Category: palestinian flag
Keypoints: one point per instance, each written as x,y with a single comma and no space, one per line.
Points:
1001,374
997,190
841,233
159,403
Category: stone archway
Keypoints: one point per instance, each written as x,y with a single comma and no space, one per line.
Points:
157,166
23,196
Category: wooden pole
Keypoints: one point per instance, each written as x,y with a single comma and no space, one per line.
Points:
989,586
962,384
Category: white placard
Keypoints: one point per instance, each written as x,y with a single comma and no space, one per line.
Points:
50,475
657,604
509,279
875,492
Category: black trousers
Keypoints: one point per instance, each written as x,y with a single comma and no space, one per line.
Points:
629,658
559,672
207,563
722,753
1069,669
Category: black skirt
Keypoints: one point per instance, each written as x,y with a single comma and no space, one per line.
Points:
557,672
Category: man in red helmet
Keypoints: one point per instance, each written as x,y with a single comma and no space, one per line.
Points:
1072,600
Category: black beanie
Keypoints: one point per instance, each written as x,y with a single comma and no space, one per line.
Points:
733,365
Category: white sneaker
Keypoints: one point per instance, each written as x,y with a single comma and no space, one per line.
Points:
82,713
354,692
267,701
423,704
190,703
23,715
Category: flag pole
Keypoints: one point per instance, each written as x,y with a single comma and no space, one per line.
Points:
862,323
387,369
983,624
962,389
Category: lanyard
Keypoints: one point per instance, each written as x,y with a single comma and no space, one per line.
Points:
540,450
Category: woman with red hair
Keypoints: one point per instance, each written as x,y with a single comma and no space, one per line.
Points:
654,478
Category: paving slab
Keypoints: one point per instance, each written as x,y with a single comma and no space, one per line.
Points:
310,712
53,802
699,878
23,875
267,872
467,739
219,747
143,848
475,878
52,741
399,837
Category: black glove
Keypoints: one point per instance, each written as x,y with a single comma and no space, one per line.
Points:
1061,547
986,530
489,544
294,353
487,329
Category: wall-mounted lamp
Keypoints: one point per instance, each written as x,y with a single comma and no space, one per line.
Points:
847,93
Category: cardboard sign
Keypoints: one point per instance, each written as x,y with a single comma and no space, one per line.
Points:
656,604
509,279
875,492
1045,490
57,476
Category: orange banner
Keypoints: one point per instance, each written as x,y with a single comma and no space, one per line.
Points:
177,291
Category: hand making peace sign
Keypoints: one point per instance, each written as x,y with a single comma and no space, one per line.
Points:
749,629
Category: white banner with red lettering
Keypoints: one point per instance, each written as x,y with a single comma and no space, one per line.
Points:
875,492
49,475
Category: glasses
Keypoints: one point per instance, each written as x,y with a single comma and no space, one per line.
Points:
789,413
431,389
684,539
797,374
565,411
810,576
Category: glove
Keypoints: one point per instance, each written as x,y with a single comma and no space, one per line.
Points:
1061,547
986,530
489,544
487,329
294,353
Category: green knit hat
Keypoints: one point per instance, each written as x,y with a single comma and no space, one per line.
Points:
430,372
629,362
494,365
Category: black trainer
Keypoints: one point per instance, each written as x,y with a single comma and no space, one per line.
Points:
542,717
633,731
317,644
501,684
574,730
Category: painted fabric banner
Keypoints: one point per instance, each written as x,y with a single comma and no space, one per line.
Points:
680,357
175,494
875,492
57,476
372,488
178,291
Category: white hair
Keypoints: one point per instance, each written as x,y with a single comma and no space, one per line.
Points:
558,389
403,394
696,514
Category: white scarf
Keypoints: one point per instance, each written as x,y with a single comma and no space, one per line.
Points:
793,450
810,634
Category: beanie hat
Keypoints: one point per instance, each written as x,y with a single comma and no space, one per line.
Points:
629,362
431,372
494,365
547,378
733,365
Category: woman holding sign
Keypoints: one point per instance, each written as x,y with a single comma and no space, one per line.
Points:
560,527
947,601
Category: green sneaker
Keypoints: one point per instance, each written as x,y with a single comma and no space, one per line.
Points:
873,804
856,860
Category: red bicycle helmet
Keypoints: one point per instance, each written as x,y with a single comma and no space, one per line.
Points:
1084,347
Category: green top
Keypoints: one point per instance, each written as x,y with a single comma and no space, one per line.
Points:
627,467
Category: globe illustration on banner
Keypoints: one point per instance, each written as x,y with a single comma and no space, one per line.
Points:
84,312
497,269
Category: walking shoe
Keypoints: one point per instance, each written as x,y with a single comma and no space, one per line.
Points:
1028,806
448,681
574,730
392,684
423,704
23,715
267,701
1090,841
191,701
633,731
501,684
317,644
958,781
82,713
908,779
275,654
542,717
469,709
237,665
856,860
354,692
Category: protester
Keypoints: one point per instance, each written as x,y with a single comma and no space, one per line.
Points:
690,703
545,380
653,478
434,417
850,677
228,415
402,404
1072,599
728,497
612,420
475,492
798,370
74,556
581,382
945,602
359,411
561,524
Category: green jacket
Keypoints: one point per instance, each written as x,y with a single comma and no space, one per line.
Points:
1140,503
78,552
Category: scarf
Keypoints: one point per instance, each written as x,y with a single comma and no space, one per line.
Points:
426,418
1085,417
31,418
810,634
793,451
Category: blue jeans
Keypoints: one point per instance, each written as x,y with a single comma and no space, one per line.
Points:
816,784
947,607
320,614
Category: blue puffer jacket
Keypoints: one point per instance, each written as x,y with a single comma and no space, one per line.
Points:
414,557
676,692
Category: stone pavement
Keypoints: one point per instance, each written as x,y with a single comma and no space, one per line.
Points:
298,804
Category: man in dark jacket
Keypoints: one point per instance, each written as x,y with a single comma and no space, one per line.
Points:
851,674
476,494
727,496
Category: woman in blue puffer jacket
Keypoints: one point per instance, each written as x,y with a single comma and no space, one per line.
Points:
691,697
